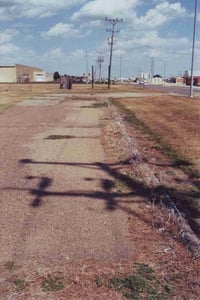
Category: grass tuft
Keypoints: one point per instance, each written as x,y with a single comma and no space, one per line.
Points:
59,137
99,282
142,284
100,104
52,284
120,186
9,265
20,284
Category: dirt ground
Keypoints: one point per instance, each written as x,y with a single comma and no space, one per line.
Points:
71,216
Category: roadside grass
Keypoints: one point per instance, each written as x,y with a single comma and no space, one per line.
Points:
13,93
142,283
173,123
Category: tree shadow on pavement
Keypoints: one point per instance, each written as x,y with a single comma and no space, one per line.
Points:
113,199
137,192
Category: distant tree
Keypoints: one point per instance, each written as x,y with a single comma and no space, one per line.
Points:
56,75
157,76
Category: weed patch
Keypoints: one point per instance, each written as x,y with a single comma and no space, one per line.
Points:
9,265
96,105
99,282
141,284
100,104
120,186
52,284
20,284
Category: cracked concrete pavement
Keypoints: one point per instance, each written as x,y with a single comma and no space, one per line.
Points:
56,199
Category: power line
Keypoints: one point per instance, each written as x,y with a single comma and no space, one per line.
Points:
113,23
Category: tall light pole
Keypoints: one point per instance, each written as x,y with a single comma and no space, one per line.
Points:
120,68
152,66
193,50
113,22
164,67
100,60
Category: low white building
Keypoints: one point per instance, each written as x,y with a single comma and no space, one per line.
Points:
42,76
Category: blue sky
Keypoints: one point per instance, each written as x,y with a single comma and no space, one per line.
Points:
67,35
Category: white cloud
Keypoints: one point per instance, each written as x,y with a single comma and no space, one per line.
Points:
79,53
152,39
150,43
7,35
13,9
103,8
162,13
56,53
62,29
7,49
92,24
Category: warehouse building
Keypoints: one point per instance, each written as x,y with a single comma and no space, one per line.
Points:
23,74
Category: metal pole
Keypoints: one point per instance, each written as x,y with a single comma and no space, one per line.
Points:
92,77
108,76
164,67
86,62
164,70
111,50
120,68
193,50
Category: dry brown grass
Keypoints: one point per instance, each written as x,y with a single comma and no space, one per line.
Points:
175,121
12,93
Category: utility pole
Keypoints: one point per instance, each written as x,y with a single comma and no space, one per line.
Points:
120,68
193,50
100,60
113,22
86,65
164,66
152,66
